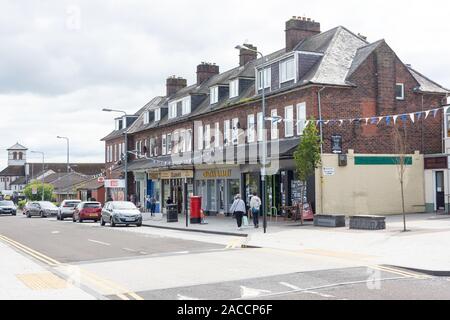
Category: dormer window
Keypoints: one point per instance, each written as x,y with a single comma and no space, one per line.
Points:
400,91
186,106
119,124
172,110
146,117
234,88
267,74
157,115
214,95
287,70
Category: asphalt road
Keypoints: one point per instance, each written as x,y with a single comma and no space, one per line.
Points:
147,263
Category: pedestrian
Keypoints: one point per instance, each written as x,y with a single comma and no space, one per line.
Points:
238,209
255,206
152,205
169,200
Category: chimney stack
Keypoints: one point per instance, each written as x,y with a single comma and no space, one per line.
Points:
174,84
245,56
299,29
206,71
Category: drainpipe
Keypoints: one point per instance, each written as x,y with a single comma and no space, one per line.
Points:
321,146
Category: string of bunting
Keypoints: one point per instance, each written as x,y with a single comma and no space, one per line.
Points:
389,119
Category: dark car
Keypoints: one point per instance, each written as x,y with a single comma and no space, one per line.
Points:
8,207
87,211
121,213
42,209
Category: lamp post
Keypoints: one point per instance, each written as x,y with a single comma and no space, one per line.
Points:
43,171
263,161
126,149
68,164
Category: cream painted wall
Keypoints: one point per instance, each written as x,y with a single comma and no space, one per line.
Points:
369,189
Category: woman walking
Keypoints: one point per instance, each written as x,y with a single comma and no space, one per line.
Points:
238,209
255,205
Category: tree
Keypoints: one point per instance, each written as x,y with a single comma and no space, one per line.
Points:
37,187
400,148
307,157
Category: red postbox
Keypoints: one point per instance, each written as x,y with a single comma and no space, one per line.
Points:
196,210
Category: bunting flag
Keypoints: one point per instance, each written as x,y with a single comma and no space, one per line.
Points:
341,122
388,120
379,120
435,111
411,115
419,115
427,113
395,119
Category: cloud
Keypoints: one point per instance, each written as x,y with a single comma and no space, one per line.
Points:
62,61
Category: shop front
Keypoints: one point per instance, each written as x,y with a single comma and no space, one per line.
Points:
178,186
115,189
140,180
217,187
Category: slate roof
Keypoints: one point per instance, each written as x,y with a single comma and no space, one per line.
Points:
92,184
17,146
13,171
427,85
19,181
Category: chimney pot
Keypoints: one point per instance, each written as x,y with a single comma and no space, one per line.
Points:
174,84
300,29
245,56
205,71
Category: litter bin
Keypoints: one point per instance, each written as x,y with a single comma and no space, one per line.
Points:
196,210
172,212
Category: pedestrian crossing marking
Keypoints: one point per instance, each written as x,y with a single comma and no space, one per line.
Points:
42,281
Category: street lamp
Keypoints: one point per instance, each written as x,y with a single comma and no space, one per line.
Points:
263,161
43,171
126,148
68,164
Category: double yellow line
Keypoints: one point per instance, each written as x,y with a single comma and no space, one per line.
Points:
105,285
401,272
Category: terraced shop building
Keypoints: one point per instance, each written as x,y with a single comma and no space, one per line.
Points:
206,139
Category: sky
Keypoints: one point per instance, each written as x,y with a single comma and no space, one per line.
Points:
62,61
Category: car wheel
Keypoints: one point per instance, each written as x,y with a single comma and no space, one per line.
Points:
28,215
102,222
113,224
74,220
42,214
139,225
14,214
80,220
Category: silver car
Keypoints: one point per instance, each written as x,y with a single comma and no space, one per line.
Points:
42,209
8,207
121,213
67,208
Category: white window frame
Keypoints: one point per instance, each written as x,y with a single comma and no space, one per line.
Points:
284,77
208,137
260,122
157,114
169,143
186,105
234,132
301,118
234,88
250,128
200,138
214,95
274,125
267,78
188,140
164,145
146,117
289,121
172,110
217,135
403,91
226,133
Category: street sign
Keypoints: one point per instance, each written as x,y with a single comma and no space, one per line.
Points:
101,179
329,171
115,183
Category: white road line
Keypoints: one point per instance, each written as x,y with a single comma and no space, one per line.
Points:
291,286
252,293
56,232
99,242
180,297
128,249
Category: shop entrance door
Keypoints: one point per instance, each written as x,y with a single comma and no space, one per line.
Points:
440,192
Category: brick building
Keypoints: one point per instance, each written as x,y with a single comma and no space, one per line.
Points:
208,136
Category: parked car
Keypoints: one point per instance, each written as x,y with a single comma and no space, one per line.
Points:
8,207
26,207
87,211
121,213
67,208
42,209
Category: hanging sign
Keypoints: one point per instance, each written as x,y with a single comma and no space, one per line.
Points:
336,144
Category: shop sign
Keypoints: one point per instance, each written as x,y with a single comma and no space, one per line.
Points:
436,163
177,174
209,174
329,171
115,183
154,176
336,144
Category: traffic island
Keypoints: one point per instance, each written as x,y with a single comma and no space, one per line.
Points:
368,223
329,220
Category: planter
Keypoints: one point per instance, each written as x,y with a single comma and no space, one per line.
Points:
329,221
368,223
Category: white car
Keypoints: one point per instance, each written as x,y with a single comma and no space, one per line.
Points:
66,209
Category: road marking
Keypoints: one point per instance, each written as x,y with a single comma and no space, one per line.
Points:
290,286
252,293
129,250
100,282
100,242
56,232
400,272
42,281
180,297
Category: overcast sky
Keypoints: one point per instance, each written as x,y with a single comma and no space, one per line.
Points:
62,61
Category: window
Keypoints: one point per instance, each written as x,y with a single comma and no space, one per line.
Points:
234,88
182,144
200,138
267,78
287,70
214,95
164,145
226,133
274,125
146,117
289,121
217,135
235,131
172,110
186,106
169,143
301,118
208,137
251,128
260,126
176,142
400,91
188,140
157,115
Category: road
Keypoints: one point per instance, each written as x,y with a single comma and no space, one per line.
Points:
145,263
